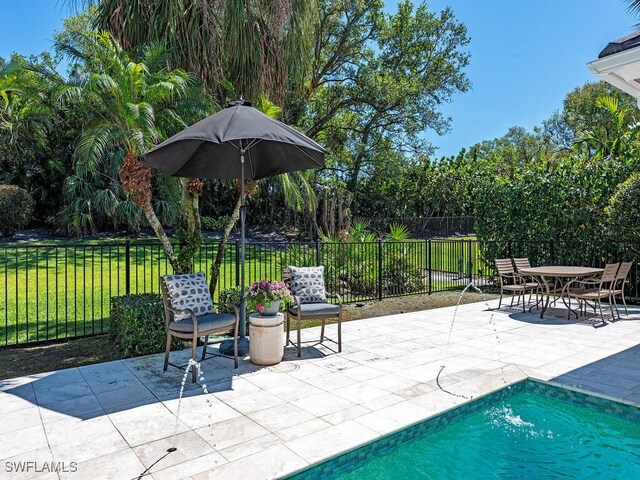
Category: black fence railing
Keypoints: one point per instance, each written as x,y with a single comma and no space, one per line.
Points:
62,291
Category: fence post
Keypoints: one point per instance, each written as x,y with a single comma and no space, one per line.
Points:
379,269
127,267
317,252
470,263
237,263
429,263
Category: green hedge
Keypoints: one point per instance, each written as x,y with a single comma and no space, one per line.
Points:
227,298
16,209
138,325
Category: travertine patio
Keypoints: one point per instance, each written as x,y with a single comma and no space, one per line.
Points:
116,419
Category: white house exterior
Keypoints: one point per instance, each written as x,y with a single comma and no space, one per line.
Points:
619,64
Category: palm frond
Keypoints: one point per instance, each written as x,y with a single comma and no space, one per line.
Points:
608,102
267,107
95,144
398,232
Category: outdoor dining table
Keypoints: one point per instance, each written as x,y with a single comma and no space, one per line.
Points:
547,275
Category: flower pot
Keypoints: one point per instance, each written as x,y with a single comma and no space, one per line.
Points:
272,310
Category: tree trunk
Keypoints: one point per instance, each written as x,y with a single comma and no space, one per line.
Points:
325,214
162,236
190,230
332,216
215,268
136,180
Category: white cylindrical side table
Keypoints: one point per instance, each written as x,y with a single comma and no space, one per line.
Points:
266,339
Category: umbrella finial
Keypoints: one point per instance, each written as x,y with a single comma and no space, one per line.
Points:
239,101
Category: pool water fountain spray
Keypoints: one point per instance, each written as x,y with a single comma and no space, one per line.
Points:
199,374
471,286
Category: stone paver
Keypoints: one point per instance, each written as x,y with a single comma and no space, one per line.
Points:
117,419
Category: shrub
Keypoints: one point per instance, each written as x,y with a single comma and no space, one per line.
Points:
623,211
215,224
16,209
138,325
228,297
400,275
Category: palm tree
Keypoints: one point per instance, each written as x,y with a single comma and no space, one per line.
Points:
616,141
135,105
234,46
22,111
634,7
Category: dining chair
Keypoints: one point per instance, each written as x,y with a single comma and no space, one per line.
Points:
595,290
619,284
511,282
524,263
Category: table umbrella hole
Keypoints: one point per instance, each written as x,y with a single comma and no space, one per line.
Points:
284,368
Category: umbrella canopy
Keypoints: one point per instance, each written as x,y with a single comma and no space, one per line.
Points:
209,148
237,142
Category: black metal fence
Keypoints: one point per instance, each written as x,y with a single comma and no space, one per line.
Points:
62,291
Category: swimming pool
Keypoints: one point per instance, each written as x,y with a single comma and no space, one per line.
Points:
530,430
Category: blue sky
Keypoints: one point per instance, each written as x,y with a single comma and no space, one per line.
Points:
525,55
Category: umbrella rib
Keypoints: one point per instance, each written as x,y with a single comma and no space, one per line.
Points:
311,157
250,164
229,123
254,141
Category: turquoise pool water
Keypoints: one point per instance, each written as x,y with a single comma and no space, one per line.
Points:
532,431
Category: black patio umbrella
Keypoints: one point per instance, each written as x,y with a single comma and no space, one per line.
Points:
219,147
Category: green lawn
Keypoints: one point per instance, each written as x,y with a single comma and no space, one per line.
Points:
62,289
54,291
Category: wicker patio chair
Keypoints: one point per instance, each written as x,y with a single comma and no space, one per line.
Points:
595,290
510,281
619,284
190,314
303,308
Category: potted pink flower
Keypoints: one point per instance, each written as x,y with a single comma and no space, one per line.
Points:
266,296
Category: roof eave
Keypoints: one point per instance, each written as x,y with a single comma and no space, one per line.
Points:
616,70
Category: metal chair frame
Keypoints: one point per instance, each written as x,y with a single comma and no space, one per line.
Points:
299,316
596,289
169,317
619,286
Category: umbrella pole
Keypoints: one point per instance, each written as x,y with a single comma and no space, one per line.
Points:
226,347
243,215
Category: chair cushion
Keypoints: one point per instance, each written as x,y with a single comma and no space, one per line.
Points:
322,308
307,283
211,321
189,291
